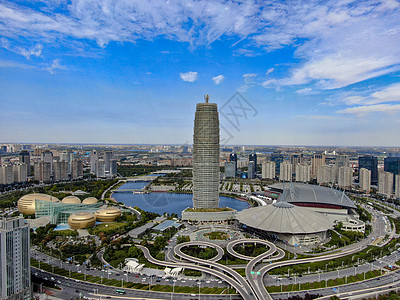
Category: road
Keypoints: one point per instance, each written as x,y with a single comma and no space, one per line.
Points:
245,291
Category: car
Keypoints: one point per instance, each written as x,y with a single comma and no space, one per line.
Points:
117,274
76,291
136,275
158,280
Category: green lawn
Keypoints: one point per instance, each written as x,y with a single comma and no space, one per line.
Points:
107,227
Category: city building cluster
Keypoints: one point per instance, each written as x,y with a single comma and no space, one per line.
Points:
345,171
53,163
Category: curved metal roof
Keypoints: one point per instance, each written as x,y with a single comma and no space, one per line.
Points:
308,193
283,217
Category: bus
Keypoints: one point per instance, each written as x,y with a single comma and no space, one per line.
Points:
121,292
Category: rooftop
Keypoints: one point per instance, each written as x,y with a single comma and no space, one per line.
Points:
167,224
308,193
283,217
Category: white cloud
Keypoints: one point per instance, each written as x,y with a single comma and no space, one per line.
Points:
35,51
189,76
269,71
27,52
352,100
389,94
249,75
218,79
337,43
304,91
365,109
56,66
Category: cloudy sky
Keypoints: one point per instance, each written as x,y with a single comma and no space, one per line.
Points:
131,71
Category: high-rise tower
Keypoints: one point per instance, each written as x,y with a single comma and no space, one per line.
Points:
206,156
15,278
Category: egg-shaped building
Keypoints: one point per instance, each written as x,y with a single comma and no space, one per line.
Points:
27,203
71,200
90,200
108,214
81,220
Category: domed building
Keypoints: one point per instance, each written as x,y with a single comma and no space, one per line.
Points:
108,214
71,200
90,200
81,220
27,203
284,221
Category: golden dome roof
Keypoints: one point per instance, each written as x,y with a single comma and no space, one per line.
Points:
90,200
71,200
81,220
26,204
108,214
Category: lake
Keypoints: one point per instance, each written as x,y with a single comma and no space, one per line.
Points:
170,202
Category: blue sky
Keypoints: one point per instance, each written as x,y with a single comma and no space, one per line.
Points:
130,71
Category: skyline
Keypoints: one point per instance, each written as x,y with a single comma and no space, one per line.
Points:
316,73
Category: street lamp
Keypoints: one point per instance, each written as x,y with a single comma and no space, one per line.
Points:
173,288
199,283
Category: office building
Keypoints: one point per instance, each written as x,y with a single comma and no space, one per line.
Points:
94,157
392,165
233,157
296,159
285,171
113,167
303,173
397,186
230,170
6,174
385,183
25,158
253,157
206,156
327,174
101,168
268,170
251,170
365,180
345,179
342,161
277,158
47,157
15,270
42,171
20,172
67,156
316,161
370,163
77,169
60,170
107,160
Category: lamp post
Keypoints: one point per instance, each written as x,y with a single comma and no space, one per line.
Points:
173,288
199,283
